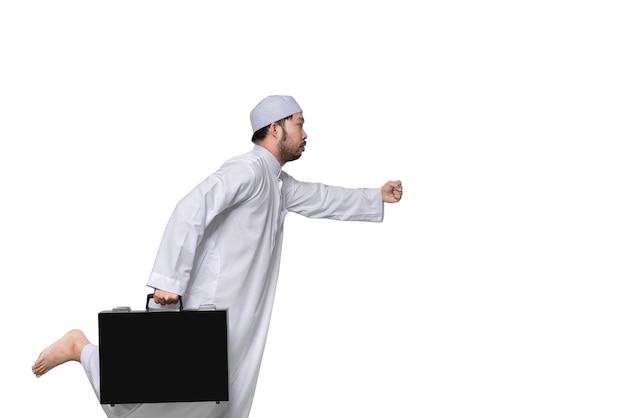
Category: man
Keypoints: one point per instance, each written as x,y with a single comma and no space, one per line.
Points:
222,246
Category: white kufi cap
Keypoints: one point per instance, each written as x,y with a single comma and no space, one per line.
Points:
272,109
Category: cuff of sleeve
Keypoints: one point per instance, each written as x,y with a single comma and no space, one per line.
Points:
372,208
377,202
160,281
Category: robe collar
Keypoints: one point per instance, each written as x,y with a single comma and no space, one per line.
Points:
270,160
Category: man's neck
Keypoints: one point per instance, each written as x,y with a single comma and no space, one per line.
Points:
272,150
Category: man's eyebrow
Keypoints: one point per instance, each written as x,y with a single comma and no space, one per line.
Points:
302,120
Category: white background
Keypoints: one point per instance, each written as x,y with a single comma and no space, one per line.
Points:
494,289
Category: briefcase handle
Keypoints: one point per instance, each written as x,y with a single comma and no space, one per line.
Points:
151,296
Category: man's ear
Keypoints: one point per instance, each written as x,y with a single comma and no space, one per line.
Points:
274,130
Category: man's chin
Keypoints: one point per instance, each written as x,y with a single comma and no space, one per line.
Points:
294,157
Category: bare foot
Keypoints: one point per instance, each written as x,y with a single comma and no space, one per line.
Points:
67,348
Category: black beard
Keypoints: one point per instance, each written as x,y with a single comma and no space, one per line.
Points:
286,155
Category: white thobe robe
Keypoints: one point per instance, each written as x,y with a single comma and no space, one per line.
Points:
222,246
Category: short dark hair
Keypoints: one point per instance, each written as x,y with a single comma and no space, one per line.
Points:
262,133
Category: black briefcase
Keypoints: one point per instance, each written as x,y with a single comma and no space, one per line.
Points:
163,355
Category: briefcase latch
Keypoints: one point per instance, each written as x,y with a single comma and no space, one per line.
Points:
122,309
207,307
